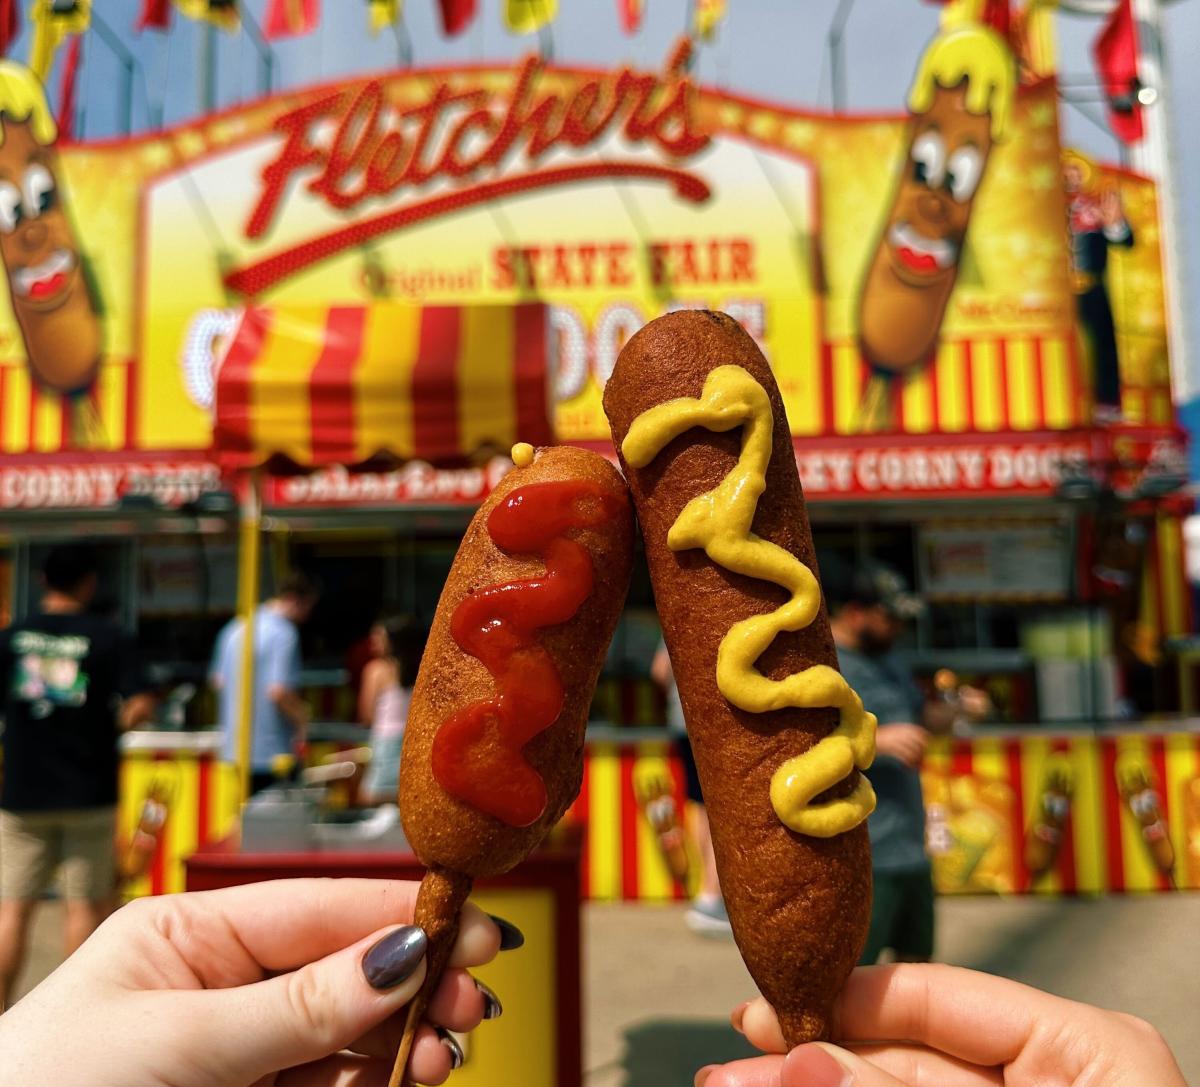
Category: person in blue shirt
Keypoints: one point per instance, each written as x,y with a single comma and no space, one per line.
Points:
868,607
280,715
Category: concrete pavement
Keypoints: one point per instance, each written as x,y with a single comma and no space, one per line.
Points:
657,998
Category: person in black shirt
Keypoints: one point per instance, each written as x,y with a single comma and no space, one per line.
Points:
69,682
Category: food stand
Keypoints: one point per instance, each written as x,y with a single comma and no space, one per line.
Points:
411,222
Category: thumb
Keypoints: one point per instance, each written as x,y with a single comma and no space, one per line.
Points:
822,1065
316,1010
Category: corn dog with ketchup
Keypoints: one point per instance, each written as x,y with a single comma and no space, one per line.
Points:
493,751
780,738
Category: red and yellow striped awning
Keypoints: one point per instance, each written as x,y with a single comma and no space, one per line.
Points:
317,385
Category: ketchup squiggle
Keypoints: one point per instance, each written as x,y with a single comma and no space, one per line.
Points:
478,752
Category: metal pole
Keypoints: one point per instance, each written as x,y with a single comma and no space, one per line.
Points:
128,63
249,564
1154,157
835,40
208,68
266,55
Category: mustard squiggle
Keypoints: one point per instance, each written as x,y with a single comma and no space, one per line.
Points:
719,523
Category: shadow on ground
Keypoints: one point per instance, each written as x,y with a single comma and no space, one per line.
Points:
665,1052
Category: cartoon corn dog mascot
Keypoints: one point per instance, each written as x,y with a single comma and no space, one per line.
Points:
1045,838
961,101
42,260
1138,789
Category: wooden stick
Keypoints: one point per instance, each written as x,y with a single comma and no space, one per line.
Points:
439,905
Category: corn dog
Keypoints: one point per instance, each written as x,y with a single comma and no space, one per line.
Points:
780,739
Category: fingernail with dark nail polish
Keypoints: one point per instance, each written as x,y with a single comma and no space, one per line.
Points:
395,958
492,1008
451,1043
511,937
703,1074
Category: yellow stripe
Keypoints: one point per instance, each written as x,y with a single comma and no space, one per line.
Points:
604,821
1087,822
14,412
47,423
1059,409
1022,386
654,881
1181,769
800,386
1149,614
113,379
184,775
1161,411
917,395
989,763
1171,575
985,358
487,411
132,788
383,383
951,370
847,387
280,394
226,794
1034,753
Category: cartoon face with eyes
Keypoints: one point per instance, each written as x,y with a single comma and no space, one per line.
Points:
47,287
913,272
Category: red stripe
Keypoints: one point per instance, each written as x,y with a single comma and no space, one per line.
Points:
331,386
1012,752
828,407
1067,867
629,830
132,386
35,395
531,376
582,816
1112,815
203,807
961,763
1039,383
896,387
1074,384
435,388
969,383
679,792
232,429
1002,392
1158,759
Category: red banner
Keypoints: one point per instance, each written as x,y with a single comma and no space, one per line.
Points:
1116,54
156,15
100,482
291,18
457,15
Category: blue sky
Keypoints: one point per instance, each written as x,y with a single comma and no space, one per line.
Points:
771,48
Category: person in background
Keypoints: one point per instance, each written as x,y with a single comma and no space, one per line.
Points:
707,915
868,607
383,700
280,714
70,682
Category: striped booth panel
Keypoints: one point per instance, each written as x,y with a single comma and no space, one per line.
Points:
34,420
349,384
976,385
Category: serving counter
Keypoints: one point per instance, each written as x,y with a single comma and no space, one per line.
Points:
537,1042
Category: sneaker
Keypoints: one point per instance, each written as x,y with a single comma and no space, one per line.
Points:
707,917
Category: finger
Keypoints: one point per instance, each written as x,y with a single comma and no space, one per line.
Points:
827,1066
916,1064
755,1072
339,1070
233,936
312,1012
977,1017
434,1056
760,1025
457,1005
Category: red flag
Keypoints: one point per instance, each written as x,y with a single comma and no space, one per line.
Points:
156,15
632,13
1116,55
10,24
66,88
291,18
457,15
998,15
